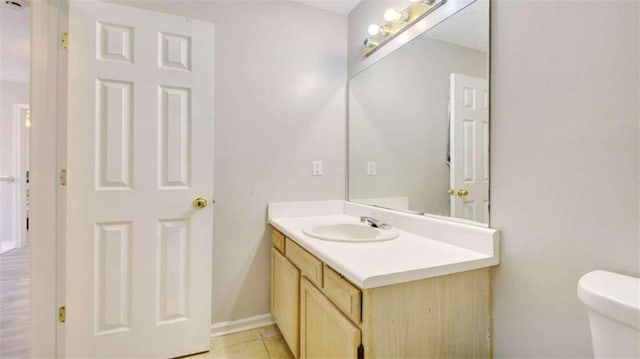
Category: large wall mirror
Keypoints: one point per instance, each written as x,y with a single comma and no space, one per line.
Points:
419,123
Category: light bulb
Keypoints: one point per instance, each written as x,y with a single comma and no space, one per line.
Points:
374,29
394,15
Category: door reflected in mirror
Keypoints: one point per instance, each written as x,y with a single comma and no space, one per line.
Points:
419,123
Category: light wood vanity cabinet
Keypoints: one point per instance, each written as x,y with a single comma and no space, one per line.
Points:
325,331
344,294
285,303
310,266
323,315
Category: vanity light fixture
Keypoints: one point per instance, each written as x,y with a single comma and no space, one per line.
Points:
397,22
370,43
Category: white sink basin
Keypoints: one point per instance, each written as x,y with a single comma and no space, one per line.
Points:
349,232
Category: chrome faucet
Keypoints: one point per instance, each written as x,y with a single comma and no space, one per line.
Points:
375,223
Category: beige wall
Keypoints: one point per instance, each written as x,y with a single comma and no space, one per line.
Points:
564,165
11,93
280,74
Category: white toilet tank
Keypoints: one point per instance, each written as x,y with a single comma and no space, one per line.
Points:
614,313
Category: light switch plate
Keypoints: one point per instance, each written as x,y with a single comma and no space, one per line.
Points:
317,168
371,168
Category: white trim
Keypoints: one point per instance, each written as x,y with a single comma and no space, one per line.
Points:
399,203
234,326
42,251
304,208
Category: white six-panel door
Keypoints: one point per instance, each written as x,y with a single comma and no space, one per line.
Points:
469,148
140,150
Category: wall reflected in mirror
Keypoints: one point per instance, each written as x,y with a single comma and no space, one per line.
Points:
419,123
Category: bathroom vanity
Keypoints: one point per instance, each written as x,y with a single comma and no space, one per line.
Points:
418,119
412,296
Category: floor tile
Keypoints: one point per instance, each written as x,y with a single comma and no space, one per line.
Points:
260,343
234,339
270,331
255,350
278,348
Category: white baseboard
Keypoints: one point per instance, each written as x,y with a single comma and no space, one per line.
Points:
234,326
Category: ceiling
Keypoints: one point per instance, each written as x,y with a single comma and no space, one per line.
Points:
343,7
15,28
468,28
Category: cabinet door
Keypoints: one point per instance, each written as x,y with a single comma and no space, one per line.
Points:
285,304
324,331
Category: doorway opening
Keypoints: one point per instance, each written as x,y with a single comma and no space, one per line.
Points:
15,126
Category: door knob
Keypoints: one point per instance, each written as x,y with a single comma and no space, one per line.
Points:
462,192
451,191
199,203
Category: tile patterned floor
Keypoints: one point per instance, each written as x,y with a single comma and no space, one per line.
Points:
14,304
261,343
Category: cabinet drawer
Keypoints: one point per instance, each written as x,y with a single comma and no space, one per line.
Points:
310,266
344,294
278,240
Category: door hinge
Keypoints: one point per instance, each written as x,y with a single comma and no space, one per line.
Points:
63,177
62,314
65,40
361,352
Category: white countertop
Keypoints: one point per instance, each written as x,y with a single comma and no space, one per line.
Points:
374,264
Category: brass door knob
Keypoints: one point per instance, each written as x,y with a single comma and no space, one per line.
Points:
199,203
451,191
462,192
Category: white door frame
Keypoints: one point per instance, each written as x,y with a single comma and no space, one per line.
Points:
20,200
44,180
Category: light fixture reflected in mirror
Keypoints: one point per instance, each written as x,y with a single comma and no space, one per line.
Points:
27,119
396,22
394,15
374,30
370,43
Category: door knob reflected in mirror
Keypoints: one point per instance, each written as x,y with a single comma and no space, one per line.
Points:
462,192
451,192
199,203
